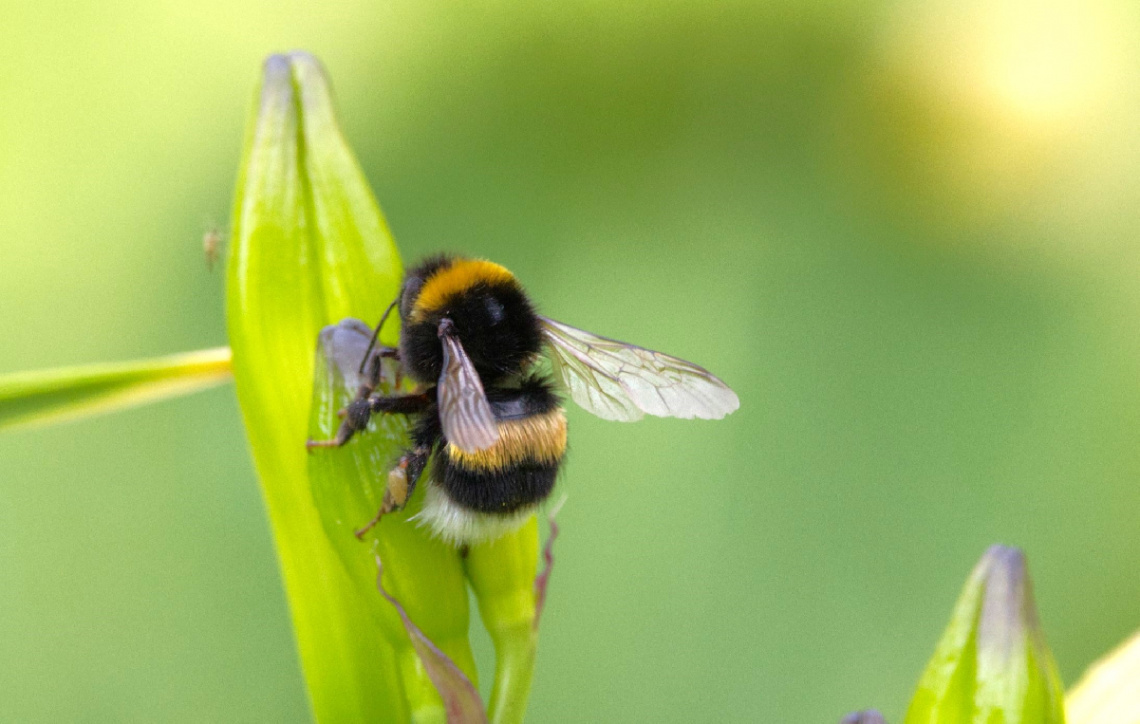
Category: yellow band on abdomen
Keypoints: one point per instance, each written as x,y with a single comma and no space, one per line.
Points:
539,438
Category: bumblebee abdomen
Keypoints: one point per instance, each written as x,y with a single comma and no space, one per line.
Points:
533,440
479,495
518,471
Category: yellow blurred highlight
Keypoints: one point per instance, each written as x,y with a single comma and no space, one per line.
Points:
1109,692
1047,64
979,112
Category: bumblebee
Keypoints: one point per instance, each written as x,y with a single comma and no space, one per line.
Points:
484,411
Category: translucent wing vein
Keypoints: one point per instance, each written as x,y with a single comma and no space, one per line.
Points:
464,411
619,381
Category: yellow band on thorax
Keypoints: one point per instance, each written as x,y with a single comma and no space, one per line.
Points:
460,276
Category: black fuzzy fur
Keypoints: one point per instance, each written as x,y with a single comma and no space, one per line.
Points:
501,491
415,277
501,334
495,323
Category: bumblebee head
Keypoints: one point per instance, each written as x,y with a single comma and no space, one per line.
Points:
486,308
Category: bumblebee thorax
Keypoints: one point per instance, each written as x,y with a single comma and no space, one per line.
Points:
489,311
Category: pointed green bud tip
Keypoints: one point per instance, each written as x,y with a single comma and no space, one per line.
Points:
868,716
992,664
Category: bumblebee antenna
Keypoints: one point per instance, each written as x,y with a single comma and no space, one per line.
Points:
376,334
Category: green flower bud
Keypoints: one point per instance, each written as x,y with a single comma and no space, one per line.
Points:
310,247
310,251
992,665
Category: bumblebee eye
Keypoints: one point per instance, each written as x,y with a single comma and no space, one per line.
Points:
495,310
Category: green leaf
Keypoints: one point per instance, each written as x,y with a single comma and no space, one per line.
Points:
1109,692
50,396
310,247
992,665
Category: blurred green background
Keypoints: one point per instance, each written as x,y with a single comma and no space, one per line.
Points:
906,233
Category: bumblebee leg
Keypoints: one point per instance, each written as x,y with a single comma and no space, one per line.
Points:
360,410
376,372
395,354
401,484
372,377
392,353
355,418
399,404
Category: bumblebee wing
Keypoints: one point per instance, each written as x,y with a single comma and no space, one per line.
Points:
464,411
619,381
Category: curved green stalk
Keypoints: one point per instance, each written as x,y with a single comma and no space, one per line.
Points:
44,397
502,574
